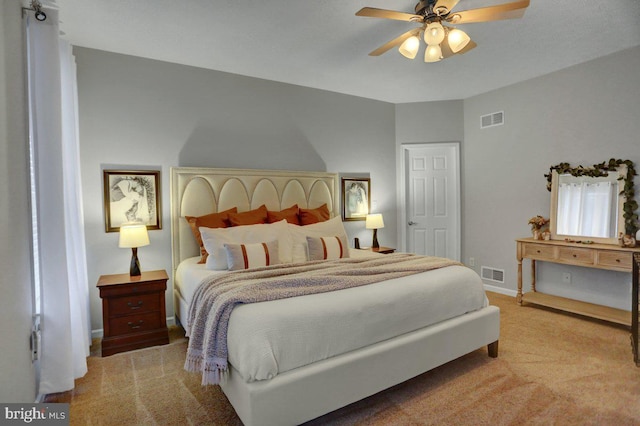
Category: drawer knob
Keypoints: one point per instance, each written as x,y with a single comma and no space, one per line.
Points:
132,306
575,255
139,324
537,251
618,260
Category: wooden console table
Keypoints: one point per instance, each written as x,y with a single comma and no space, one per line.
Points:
600,256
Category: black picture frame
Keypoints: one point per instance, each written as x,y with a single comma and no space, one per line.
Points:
131,196
356,198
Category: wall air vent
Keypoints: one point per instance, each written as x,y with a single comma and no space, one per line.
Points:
490,120
492,274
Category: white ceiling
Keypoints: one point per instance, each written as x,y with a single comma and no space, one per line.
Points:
322,44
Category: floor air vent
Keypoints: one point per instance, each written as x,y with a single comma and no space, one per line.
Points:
490,120
492,274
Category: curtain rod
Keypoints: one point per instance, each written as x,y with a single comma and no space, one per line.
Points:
36,6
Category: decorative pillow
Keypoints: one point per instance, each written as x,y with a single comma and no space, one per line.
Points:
215,239
299,235
310,216
290,215
327,248
213,220
245,256
251,217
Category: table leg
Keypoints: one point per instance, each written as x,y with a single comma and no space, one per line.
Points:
519,294
533,275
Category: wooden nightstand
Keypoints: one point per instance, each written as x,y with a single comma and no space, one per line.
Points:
383,250
133,312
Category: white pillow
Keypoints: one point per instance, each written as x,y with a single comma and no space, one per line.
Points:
254,255
329,228
327,248
214,240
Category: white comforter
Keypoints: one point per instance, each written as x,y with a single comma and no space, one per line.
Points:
268,338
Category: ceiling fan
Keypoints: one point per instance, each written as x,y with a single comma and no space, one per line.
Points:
442,41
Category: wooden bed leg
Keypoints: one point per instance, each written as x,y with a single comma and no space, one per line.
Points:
493,349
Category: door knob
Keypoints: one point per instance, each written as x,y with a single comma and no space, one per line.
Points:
412,223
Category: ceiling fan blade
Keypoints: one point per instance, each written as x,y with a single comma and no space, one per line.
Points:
468,47
395,42
373,12
492,13
447,52
447,4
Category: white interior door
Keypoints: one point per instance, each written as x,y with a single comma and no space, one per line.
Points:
432,199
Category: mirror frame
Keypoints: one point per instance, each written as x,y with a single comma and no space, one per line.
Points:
627,206
554,213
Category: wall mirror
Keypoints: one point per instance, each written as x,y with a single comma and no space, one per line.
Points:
592,204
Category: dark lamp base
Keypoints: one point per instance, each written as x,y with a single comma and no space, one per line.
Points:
375,239
134,269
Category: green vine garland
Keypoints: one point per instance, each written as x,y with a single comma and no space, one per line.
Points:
630,205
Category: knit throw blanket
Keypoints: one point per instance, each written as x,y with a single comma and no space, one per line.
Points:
215,298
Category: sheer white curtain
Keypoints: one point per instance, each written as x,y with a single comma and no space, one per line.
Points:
583,209
60,258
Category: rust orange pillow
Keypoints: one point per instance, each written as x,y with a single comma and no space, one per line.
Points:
251,217
213,220
290,214
319,214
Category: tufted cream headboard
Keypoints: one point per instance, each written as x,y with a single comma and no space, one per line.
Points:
199,191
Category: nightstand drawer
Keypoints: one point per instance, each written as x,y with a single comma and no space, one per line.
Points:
132,288
136,304
135,323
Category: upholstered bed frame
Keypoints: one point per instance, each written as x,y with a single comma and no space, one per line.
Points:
308,392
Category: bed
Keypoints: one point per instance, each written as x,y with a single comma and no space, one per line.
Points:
292,392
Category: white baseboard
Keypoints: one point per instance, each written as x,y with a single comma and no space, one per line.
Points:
98,333
171,321
500,290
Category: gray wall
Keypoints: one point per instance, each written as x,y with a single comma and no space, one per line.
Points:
17,373
428,122
585,114
140,113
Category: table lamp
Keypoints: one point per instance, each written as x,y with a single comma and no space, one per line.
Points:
133,235
375,222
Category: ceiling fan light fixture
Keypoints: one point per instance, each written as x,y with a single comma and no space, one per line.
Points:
409,48
434,33
457,40
434,15
433,53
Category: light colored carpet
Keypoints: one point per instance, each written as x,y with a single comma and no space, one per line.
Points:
553,369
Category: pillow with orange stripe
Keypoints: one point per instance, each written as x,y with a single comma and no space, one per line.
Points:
326,248
245,256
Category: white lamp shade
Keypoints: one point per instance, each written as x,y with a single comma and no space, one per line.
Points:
433,53
457,40
133,235
409,48
374,221
434,33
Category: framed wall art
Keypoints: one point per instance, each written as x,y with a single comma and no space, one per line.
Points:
356,198
131,196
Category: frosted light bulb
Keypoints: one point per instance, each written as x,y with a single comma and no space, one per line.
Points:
434,33
457,40
409,48
433,53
